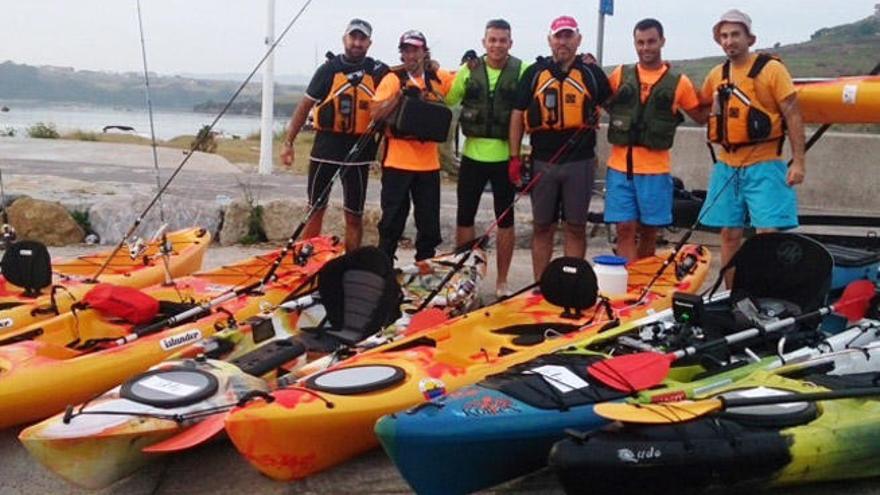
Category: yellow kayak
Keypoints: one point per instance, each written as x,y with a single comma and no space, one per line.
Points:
328,418
70,277
845,100
78,355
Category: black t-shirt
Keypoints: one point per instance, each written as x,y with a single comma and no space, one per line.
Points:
334,146
545,144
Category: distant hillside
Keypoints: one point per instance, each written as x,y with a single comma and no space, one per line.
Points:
848,49
65,84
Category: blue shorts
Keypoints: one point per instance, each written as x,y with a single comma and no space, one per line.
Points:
759,190
645,198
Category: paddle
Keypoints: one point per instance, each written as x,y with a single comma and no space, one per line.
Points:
641,371
676,412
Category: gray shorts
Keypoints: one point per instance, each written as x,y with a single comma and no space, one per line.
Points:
564,187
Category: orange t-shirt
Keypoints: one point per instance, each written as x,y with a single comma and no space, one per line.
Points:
647,161
408,154
773,85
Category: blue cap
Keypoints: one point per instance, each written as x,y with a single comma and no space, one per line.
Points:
609,259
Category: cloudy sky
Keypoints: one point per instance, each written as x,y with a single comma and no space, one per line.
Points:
226,36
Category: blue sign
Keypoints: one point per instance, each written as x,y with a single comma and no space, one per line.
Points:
606,7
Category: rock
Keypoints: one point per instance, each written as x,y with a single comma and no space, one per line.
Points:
45,221
112,218
281,216
236,218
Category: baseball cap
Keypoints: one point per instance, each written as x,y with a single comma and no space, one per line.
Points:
359,25
414,38
735,16
563,23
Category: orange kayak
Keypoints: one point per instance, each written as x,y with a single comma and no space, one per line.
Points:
328,417
72,275
845,100
75,356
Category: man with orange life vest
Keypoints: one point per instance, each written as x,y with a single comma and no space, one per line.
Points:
557,104
339,96
411,164
644,114
486,88
753,102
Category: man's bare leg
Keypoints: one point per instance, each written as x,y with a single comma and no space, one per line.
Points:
626,239
354,231
647,241
575,243
505,239
542,248
731,240
464,234
313,226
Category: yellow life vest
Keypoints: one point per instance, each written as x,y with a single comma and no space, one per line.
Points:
738,118
346,109
561,101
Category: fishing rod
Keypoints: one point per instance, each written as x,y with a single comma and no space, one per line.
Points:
233,293
199,141
7,232
165,249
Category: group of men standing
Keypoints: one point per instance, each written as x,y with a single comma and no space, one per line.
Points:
749,103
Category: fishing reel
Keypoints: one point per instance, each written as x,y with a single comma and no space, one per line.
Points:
302,256
136,247
7,236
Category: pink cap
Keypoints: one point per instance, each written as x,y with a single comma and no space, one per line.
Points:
563,23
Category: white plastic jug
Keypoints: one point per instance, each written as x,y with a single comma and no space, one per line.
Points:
611,274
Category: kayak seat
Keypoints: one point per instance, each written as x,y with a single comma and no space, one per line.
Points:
28,265
270,356
360,293
570,283
791,267
530,334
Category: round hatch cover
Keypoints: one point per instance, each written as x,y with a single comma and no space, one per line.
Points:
357,379
170,387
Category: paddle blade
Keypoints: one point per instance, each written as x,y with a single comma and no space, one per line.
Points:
426,318
633,372
855,300
189,438
672,412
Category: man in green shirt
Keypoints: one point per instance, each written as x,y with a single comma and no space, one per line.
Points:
486,89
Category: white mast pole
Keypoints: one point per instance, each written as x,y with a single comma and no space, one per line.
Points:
268,110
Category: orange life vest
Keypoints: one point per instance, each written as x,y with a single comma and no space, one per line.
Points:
561,101
738,118
346,109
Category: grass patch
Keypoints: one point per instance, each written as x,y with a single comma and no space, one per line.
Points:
255,234
42,130
80,135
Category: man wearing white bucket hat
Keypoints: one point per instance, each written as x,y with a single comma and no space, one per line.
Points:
753,108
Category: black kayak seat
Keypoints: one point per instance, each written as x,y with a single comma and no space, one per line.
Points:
27,264
778,265
360,294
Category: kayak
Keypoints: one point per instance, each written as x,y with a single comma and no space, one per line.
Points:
328,417
93,450
768,445
845,100
71,277
504,426
78,355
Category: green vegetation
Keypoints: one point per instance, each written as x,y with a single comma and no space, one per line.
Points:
42,130
80,135
845,50
204,140
81,217
255,234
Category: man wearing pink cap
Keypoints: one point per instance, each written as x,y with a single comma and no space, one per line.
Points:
557,103
753,107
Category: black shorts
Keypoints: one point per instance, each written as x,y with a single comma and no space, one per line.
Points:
472,179
354,185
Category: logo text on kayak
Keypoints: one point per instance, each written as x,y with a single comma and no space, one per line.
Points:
180,339
634,457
